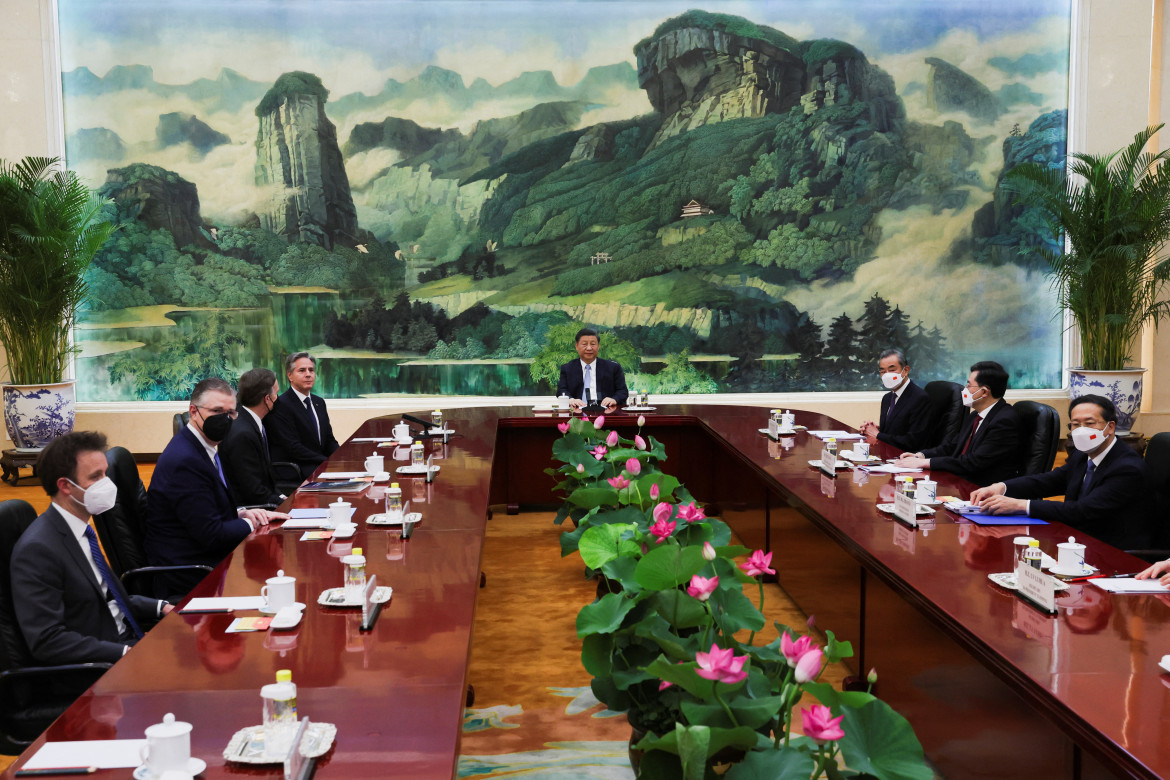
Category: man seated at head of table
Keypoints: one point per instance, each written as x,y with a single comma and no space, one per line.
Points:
69,605
905,410
1105,484
986,447
298,426
590,379
191,517
247,463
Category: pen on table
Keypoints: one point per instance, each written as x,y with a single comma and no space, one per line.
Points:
56,770
1102,577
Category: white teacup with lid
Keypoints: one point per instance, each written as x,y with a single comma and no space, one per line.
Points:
375,463
168,747
279,592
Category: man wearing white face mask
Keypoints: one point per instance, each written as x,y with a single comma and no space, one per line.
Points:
905,413
70,607
1105,483
986,447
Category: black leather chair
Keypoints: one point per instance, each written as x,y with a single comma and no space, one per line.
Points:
122,530
179,422
1158,462
1039,436
946,410
31,696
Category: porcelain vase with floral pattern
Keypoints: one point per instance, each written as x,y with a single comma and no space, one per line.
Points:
1123,388
36,414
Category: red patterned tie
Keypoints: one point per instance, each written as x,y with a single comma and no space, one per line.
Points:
975,427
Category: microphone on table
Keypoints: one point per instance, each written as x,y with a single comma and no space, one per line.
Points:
417,421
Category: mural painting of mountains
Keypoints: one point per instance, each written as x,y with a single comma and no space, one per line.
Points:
738,204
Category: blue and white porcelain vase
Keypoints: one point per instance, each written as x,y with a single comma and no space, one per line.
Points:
37,414
1123,388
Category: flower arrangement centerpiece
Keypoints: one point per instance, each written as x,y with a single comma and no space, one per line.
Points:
676,643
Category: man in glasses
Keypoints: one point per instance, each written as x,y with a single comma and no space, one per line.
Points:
1105,484
986,448
905,412
191,517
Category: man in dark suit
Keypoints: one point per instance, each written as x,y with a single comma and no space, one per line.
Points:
592,380
190,515
1105,484
986,448
69,605
298,426
905,414
246,461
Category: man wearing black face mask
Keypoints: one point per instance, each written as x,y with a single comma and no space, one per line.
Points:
191,517
69,605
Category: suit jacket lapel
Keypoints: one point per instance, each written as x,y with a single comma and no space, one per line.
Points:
1076,476
72,548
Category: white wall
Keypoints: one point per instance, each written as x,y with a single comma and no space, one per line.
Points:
1118,46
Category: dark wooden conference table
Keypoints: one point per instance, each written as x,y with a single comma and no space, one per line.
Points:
993,687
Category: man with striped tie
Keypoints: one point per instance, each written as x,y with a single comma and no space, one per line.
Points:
298,426
190,515
69,605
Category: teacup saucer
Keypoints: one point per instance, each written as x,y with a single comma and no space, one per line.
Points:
382,476
267,610
195,766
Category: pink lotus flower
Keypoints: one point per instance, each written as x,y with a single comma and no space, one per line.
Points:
634,467
663,685
709,553
598,451
872,677
819,724
619,482
662,529
654,492
563,427
599,423
580,468
812,622
612,439
702,587
809,666
758,564
663,511
720,665
691,512
639,442
641,420
793,651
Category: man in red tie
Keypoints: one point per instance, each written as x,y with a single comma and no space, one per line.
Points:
986,448
1105,484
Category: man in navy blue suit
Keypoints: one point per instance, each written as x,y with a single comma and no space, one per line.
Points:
190,514
1105,484
244,453
905,415
298,426
69,606
592,380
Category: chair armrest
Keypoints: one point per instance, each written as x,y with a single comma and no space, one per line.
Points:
33,671
1150,556
143,571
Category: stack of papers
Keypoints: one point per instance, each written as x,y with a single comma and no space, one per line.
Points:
1129,585
224,604
889,468
100,753
838,435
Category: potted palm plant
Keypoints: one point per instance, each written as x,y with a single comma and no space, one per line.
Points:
1110,215
51,226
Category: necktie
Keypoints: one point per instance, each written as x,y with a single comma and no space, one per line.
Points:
975,427
1090,468
313,417
588,368
219,468
103,568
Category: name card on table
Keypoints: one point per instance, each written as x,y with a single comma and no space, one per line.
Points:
828,460
1037,587
773,429
905,508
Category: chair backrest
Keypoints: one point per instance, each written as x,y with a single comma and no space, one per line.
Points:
15,518
1039,435
179,422
946,411
1158,462
123,528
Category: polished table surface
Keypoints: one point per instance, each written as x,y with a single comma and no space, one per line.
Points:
397,692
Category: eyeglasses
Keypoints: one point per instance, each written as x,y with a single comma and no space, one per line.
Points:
232,413
1072,426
